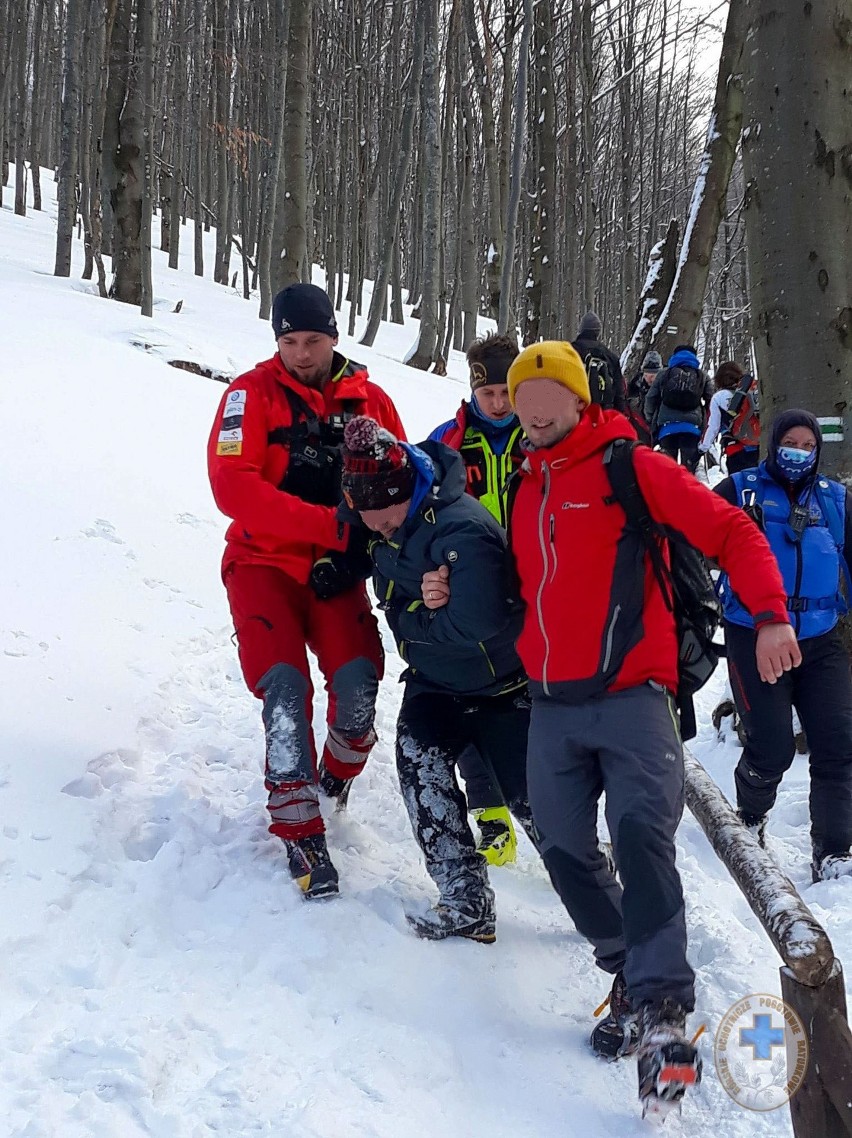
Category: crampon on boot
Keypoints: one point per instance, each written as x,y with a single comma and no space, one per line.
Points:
668,1061
334,787
471,922
497,842
312,868
617,1034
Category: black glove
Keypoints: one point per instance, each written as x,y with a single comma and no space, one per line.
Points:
339,570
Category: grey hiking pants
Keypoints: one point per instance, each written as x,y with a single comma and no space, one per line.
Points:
626,744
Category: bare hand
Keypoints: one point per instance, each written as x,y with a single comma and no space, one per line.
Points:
435,587
777,651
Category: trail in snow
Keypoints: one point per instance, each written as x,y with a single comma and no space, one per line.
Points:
163,977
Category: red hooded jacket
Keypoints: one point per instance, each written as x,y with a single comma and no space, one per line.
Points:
592,600
247,464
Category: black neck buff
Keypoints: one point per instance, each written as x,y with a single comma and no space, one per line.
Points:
795,417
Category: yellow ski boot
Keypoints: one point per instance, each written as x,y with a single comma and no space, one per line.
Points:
497,842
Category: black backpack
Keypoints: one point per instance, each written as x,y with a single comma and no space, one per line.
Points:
600,381
682,389
687,586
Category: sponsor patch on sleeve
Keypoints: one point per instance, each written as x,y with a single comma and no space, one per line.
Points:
230,439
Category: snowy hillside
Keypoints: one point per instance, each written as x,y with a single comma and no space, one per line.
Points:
162,977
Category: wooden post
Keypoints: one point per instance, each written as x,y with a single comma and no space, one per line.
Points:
822,1106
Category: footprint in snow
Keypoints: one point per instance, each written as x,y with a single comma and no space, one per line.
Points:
106,530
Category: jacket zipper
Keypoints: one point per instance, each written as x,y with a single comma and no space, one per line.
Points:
797,621
545,556
610,633
488,659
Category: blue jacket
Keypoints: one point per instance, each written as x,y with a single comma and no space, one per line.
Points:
812,562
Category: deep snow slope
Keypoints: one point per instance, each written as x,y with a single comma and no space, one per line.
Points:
162,977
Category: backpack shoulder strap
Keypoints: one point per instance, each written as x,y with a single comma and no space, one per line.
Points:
827,496
740,395
618,460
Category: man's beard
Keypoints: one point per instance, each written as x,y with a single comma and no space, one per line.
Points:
315,378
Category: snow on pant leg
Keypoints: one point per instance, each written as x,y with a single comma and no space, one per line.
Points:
501,730
641,757
565,784
766,711
431,734
269,610
822,693
480,785
344,635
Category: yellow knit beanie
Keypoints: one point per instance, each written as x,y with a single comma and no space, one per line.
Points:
551,359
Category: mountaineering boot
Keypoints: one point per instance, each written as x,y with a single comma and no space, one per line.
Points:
497,842
312,868
830,866
441,922
756,826
617,1034
667,1061
334,787
472,918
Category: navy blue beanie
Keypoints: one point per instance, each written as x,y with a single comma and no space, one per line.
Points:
795,417
303,308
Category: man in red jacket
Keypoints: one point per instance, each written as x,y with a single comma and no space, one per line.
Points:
600,648
294,575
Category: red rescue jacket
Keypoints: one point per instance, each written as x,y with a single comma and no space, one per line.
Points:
248,457
581,575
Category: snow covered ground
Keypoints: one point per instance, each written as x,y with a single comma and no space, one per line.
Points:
162,978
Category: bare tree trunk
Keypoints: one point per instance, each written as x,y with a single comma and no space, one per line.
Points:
797,149
541,319
221,71
22,20
67,198
424,351
662,264
290,237
517,170
146,33
589,213
391,226
679,319
275,159
467,235
198,157
483,80
128,191
35,111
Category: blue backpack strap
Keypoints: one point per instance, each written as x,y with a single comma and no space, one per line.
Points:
827,494
832,501
749,480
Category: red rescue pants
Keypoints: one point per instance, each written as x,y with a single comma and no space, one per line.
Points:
277,620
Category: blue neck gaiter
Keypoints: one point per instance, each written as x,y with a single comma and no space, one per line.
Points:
795,464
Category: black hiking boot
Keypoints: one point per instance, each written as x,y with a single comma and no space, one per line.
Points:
756,826
668,1062
829,866
617,1034
334,787
312,868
